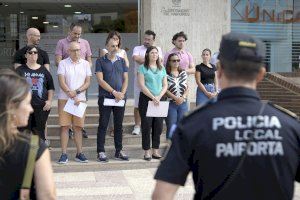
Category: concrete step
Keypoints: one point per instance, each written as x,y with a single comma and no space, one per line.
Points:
128,139
133,151
90,118
91,129
93,165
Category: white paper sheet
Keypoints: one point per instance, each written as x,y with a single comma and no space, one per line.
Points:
71,108
112,102
157,111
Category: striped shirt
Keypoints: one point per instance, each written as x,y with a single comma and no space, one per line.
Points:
177,85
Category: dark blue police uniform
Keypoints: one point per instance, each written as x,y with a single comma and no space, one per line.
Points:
237,141
211,140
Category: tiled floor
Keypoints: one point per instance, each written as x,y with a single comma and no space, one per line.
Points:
124,184
117,185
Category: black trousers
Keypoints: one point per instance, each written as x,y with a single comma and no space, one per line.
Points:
118,113
37,121
149,123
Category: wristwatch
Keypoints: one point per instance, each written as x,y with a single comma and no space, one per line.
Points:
78,91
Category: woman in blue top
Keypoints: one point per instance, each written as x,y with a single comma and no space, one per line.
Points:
153,83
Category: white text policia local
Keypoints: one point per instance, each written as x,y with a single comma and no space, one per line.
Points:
264,130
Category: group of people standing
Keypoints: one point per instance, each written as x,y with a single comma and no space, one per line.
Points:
156,78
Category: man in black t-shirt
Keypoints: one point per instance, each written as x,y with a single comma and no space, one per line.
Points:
237,147
33,38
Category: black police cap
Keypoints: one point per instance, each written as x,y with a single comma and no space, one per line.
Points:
238,46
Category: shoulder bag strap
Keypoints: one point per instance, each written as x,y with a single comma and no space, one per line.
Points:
27,179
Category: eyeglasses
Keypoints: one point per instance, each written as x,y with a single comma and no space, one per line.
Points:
178,60
32,52
73,50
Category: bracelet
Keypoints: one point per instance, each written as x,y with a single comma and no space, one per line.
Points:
112,92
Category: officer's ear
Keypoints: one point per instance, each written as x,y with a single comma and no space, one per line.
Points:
261,74
220,70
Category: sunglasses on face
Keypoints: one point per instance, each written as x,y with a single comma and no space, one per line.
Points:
32,52
178,60
114,46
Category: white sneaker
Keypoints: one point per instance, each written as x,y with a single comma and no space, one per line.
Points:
136,130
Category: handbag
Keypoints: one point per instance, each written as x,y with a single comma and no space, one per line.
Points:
27,179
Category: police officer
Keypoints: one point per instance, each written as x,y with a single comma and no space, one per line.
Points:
236,147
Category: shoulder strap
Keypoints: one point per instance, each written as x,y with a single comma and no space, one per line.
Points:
34,145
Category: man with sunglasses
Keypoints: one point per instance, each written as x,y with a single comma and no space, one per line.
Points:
33,36
236,146
112,76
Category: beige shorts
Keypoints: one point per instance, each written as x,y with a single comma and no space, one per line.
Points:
66,119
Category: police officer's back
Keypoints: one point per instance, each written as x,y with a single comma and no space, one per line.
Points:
236,147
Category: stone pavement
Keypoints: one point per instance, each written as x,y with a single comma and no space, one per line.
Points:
112,185
117,185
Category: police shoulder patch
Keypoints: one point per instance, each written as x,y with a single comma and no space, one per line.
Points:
284,110
201,107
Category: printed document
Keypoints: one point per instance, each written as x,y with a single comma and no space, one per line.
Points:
73,109
157,111
112,102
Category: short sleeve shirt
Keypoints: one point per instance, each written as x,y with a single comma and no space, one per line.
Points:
153,78
211,141
113,74
20,58
40,81
186,58
207,73
75,74
141,51
63,45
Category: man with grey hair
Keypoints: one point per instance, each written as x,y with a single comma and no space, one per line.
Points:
33,36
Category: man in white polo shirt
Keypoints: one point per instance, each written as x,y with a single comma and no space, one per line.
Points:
74,76
138,56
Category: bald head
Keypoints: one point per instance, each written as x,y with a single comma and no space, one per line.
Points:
74,51
33,36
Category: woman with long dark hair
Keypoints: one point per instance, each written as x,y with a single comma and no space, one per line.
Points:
153,83
15,108
177,91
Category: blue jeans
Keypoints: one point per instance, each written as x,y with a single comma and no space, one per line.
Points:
175,113
201,98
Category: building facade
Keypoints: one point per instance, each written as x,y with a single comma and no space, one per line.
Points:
276,22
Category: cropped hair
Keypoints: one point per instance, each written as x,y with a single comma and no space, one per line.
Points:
240,69
180,34
149,32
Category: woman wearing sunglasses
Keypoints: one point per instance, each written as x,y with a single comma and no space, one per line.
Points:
206,79
42,89
177,91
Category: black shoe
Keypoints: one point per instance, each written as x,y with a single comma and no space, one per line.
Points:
156,157
147,158
84,134
121,156
71,134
